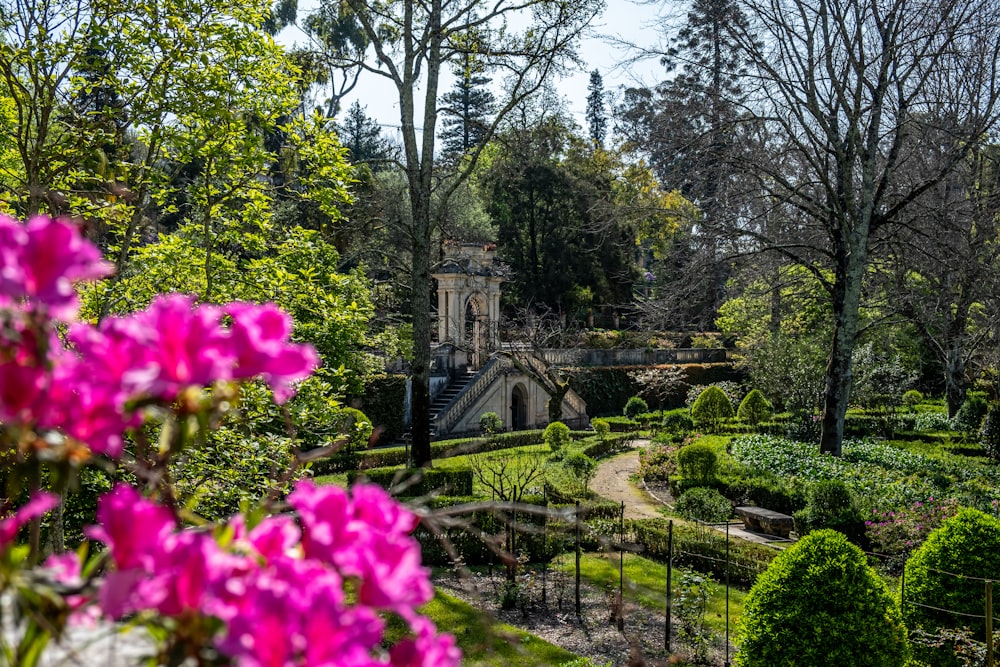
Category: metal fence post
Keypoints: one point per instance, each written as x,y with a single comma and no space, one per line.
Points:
989,623
578,608
621,569
670,563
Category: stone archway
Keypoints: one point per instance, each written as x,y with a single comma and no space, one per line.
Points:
518,409
475,329
468,310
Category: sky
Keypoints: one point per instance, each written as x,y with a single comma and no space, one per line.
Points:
622,21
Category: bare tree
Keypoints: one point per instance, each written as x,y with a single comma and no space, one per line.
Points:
509,477
660,382
410,43
944,271
850,93
528,338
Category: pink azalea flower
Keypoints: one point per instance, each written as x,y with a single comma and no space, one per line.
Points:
67,570
186,569
329,534
260,335
376,508
40,503
392,576
189,347
120,514
41,261
275,537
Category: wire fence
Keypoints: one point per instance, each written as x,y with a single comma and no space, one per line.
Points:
712,548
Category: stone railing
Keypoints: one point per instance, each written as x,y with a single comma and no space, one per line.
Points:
452,412
633,357
571,397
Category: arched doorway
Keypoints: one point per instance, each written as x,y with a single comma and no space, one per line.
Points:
474,331
518,409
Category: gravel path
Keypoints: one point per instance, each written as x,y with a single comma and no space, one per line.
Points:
612,482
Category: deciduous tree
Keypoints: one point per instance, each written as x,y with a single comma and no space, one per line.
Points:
850,94
411,44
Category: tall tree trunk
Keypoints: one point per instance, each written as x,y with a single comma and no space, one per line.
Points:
846,306
420,169
954,378
421,312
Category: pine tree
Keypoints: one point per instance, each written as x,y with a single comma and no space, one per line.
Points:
687,127
362,137
466,110
597,116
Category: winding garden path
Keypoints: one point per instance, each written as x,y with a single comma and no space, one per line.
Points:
612,482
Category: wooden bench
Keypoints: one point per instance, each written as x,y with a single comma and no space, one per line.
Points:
766,521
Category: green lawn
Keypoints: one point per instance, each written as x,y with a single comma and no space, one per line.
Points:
644,584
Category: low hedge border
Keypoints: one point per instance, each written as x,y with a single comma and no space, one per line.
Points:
412,482
442,449
701,549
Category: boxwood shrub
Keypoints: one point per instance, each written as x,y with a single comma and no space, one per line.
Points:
409,483
820,603
965,544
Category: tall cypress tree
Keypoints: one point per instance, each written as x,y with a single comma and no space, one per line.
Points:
597,114
466,110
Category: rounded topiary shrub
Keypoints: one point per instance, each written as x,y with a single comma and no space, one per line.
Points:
989,433
635,407
965,544
820,603
704,504
754,408
556,436
677,422
912,398
711,407
601,427
830,505
490,423
697,462
970,415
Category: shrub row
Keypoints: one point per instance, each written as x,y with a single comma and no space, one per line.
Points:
609,445
396,456
704,550
383,403
409,483
538,536
775,494
542,536
622,424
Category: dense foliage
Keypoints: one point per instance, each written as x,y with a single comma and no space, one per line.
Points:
754,408
556,436
945,574
634,407
820,603
697,462
711,407
704,504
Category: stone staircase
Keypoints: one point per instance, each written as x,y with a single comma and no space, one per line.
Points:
447,395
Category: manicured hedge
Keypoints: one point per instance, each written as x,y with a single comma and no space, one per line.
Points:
701,549
396,456
622,424
414,482
466,539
